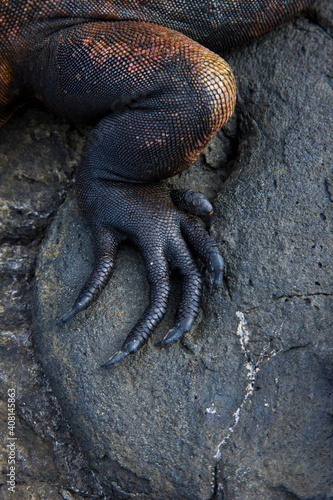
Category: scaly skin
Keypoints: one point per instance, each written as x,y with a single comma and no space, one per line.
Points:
155,97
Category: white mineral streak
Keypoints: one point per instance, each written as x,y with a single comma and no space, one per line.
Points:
244,336
242,331
211,409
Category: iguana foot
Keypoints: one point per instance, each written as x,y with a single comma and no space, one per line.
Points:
166,237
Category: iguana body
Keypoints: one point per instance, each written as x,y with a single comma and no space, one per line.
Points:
156,98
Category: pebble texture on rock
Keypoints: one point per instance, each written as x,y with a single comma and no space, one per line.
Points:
242,408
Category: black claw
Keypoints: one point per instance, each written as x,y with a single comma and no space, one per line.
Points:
216,269
67,316
129,347
207,219
217,279
78,306
206,249
174,334
178,331
118,356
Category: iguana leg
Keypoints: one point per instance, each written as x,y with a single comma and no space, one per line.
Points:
157,98
166,238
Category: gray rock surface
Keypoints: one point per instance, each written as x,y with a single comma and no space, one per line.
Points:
37,155
271,406
241,408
